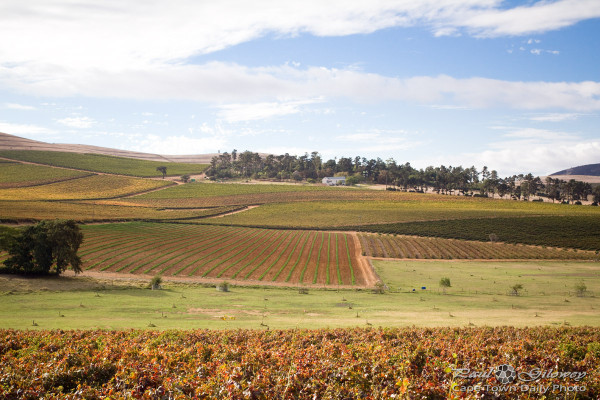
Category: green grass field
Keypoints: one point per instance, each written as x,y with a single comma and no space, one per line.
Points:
480,295
29,211
199,189
357,213
14,175
90,187
102,163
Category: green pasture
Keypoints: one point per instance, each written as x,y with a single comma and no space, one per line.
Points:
102,163
16,174
321,214
205,189
479,295
88,187
27,211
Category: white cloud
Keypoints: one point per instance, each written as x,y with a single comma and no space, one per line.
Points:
539,158
15,106
538,135
541,16
177,145
538,52
232,83
376,141
513,157
538,151
24,129
555,117
77,122
115,35
358,137
139,50
255,111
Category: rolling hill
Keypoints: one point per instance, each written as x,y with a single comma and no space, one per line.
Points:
11,142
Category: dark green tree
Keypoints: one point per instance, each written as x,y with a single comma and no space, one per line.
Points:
45,248
163,170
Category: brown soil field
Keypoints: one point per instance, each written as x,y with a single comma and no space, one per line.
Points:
413,247
216,252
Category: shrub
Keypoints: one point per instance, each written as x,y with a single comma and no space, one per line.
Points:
223,287
379,288
445,283
580,289
516,288
155,282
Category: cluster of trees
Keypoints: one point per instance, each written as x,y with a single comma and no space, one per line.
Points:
46,248
442,179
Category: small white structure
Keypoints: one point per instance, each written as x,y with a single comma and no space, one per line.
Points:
334,181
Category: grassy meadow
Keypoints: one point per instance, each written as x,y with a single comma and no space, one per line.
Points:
480,295
13,174
102,163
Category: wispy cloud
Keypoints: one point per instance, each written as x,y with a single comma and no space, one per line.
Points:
238,85
24,129
524,150
556,117
119,35
538,17
540,135
15,106
177,145
77,122
257,111
539,52
377,141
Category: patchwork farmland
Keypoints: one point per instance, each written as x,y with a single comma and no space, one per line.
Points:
226,253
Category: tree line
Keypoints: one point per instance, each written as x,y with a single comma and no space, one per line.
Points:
446,180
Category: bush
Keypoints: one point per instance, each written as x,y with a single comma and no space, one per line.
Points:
379,288
155,282
223,287
445,283
353,180
516,288
580,289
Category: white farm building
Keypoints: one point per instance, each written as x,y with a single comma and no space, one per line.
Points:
334,181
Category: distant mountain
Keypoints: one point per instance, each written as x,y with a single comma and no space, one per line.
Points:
11,142
589,170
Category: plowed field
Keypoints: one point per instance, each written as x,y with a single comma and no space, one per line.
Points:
228,253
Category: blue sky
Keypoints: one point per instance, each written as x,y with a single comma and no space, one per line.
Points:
508,84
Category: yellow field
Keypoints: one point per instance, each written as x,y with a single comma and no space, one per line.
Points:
92,187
